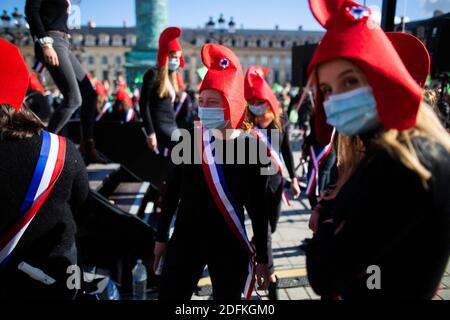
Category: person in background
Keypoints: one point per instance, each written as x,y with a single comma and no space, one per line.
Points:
265,113
161,91
48,26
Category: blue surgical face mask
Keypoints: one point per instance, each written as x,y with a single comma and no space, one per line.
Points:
353,112
174,64
213,118
258,110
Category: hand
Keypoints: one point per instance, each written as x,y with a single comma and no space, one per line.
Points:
262,276
159,252
152,142
295,188
314,220
50,56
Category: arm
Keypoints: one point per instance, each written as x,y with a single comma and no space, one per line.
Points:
32,8
145,100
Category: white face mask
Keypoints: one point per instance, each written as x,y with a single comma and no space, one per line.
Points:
353,112
258,110
174,64
213,118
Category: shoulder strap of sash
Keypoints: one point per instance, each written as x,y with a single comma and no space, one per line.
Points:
47,171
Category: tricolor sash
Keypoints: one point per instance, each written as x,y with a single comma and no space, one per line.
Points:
46,173
316,159
105,109
129,115
227,206
38,67
179,106
275,155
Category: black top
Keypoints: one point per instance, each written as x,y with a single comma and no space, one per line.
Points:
391,221
157,113
49,241
197,213
47,15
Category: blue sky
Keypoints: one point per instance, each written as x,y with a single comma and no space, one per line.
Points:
252,14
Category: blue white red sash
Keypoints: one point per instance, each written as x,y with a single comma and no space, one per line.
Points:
275,155
105,109
180,104
129,115
316,159
46,173
224,201
38,67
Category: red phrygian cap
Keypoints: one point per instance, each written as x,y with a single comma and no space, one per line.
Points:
352,34
35,84
256,88
414,55
100,89
225,76
122,95
14,76
168,42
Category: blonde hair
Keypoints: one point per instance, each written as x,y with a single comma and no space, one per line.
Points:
165,80
398,143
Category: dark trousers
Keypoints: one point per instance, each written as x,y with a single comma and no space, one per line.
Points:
186,260
72,81
273,199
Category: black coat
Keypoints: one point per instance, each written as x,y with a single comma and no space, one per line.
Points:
391,221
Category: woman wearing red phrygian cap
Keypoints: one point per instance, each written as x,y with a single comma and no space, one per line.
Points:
264,116
212,192
161,95
43,186
388,235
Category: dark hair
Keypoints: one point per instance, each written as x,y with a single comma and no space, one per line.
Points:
20,124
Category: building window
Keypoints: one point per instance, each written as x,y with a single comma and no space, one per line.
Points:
104,60
251,60
264,60
131,40
119,60
103,40
91,60
90,40
77,39
288,61
276,60
117,41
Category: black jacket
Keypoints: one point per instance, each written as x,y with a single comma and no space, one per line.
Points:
391,221
198,216
157,113
49,241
